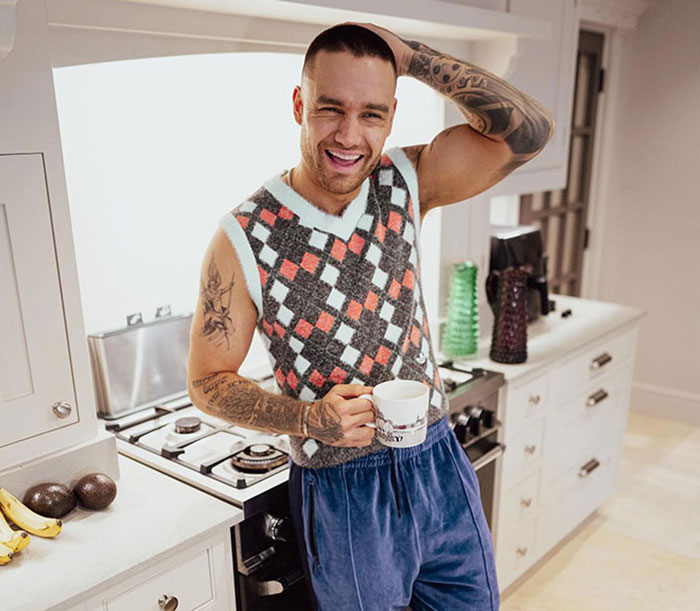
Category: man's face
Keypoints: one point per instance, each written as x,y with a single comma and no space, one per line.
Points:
345,107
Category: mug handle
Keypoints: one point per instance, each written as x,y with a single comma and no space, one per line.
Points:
370,398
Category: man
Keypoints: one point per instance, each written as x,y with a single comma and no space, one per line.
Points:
324,261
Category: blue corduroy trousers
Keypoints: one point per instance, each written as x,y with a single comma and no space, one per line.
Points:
402,527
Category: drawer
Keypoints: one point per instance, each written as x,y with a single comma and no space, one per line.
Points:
190,582
523,452
580,424
593,364
526,403
515,554
579,492
518,504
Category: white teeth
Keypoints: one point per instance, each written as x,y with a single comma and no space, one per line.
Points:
345,157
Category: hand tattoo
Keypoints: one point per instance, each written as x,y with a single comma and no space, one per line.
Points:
218,326
324,422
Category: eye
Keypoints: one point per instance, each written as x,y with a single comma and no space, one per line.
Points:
330,109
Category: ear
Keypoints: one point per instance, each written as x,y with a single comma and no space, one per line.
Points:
297,104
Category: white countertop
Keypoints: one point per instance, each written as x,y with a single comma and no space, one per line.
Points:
552,337
152,515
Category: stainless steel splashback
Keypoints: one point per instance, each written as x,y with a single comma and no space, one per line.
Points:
140,365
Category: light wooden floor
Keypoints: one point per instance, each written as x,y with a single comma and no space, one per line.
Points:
641,550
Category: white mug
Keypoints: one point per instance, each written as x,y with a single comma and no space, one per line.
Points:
402,412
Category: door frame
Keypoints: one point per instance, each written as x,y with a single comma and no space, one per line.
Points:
602,157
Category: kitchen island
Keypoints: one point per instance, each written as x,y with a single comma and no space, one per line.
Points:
158,538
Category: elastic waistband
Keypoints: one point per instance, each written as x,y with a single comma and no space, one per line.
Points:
435,433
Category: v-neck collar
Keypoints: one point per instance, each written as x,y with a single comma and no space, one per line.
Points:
342,225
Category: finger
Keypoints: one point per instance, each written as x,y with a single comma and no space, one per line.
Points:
359,420
351,390
358,406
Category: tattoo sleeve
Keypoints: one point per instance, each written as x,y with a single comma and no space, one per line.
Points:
240,401
492,106
236,399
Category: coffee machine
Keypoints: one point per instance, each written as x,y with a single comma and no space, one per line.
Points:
520,246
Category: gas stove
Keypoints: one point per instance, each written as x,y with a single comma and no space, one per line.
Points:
231,462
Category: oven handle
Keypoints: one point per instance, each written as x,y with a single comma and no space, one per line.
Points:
489,457
273,587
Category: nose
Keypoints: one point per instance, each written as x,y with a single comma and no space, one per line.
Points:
348,134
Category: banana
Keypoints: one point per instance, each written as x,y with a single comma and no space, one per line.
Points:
5,554
26,519
16,540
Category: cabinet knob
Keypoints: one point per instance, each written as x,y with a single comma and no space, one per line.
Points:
62,409
521,551
169,603
534,399
530,449
526,502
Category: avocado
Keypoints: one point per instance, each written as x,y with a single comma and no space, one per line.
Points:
51,500
95,491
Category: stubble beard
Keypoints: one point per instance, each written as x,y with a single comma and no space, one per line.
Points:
333,183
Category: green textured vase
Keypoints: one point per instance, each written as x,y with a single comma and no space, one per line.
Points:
461,332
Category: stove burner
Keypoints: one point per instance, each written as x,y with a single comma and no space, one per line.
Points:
258,458
189,424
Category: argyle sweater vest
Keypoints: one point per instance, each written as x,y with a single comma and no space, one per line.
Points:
339,298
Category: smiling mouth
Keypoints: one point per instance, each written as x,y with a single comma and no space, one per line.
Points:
343,160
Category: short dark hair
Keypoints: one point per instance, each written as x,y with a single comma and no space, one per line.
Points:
354,39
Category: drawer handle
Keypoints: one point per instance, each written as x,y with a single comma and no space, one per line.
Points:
526,502
601,360
169,603
530,449
521,551
534,399
588,468
596,398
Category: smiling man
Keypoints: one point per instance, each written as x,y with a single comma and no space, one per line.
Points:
324,261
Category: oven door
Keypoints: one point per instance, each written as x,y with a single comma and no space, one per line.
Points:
484,454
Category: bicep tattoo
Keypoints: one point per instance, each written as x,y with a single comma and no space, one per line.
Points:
215,298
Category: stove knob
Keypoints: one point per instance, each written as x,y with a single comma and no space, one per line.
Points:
476,424
275,528
460,427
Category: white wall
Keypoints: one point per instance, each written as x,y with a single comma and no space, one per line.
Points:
652,207
157,150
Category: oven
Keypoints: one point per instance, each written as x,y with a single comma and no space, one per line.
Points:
474,418
140,373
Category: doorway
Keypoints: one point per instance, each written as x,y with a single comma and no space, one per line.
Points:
561,215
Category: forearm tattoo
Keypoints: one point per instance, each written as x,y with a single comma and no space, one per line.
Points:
216,307
233,398
492,106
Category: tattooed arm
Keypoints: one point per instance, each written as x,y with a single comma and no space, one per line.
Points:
220,337
504,129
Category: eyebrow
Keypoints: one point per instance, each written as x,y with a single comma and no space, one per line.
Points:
322,99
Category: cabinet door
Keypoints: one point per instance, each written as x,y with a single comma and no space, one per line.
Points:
545,69
35,368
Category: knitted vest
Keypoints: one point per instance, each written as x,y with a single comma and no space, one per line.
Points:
339,298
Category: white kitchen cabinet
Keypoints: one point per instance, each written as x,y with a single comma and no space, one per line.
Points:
577,456
545,69
196,580
36,390
43,357
563,426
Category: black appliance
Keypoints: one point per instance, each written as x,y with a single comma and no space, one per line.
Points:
520,246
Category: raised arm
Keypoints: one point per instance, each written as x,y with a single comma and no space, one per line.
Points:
220,337
505,127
